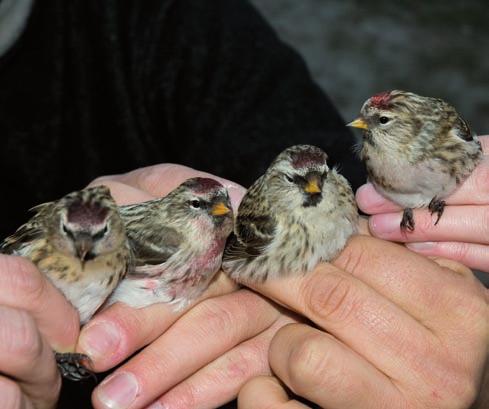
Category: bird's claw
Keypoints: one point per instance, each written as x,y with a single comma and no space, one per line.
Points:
407,222
72,368
437,206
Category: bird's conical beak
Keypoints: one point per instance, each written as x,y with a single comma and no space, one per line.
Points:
313,185
358,123
220,209
83,246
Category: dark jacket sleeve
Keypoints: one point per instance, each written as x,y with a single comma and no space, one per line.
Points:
228,95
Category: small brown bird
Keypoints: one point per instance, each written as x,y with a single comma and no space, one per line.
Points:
297,214
417,150
79,243
177,242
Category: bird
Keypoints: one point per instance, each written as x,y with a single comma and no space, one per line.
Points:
79,243
417,150
177,243
298,213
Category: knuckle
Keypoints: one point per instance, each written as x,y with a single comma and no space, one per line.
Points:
12,397
311,366
329,297
149,178
459,251
25,279
481,181
23,340
354,256
216,318
484,225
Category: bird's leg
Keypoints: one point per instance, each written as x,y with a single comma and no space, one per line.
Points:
407,222
437,206
71,366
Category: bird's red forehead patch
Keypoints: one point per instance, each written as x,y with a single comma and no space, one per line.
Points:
306,159
86,213
203,185
381,100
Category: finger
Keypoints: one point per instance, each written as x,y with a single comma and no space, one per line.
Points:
26,356
475,190
221,380
459,223
12,396
266,392
24,287
122,193
117,332
355,313
371,202
159,180
317,367
206,332
475,256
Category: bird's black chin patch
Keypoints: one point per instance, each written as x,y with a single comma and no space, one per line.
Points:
368,138
312,200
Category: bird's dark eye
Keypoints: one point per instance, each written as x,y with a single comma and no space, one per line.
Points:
288,178
384,119
67,231
195,204
101,233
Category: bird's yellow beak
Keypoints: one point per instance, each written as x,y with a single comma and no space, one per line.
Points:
220,209
358,123
313,185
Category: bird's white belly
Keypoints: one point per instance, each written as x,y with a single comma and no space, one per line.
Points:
413,185
86,295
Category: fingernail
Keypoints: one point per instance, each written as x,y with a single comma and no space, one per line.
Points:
422,246
367,197
100,340
384,224
118,391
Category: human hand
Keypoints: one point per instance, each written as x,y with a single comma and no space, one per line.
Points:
463,231
116,333
394,330
35,318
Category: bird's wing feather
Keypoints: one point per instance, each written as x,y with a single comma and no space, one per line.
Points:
254,230
462,130
154,246
29,231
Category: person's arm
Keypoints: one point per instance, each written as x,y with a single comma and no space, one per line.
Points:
224,94
462,233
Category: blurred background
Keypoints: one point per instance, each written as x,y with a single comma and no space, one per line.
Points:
356,48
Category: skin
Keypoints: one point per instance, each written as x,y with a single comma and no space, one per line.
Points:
34,318
237,343
394,330
462,233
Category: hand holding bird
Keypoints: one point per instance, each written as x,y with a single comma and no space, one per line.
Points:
463,232
417,150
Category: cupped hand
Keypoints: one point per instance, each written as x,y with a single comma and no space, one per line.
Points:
462,233
203,358
393,329
35,318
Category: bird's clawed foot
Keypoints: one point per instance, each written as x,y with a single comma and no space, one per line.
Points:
437,206
407,222
71,366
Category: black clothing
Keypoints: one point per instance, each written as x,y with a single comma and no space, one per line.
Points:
101,87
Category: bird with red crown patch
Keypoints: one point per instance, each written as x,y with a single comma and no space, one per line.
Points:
79,243
177,243
417,150
297,214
